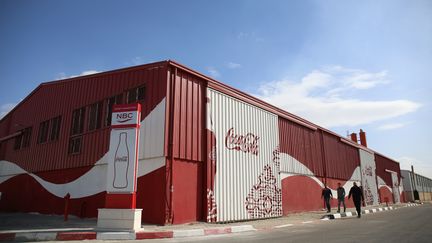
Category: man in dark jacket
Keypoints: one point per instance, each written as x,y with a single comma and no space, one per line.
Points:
326,194
357,195
341,197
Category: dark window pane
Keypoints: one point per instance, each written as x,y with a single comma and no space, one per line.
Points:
110,102
132,96
78,121
55,128
18,140
141,93
43,132
26,137
75,145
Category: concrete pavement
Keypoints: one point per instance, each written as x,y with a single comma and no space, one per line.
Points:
36,227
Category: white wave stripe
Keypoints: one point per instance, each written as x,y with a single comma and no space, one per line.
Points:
287,161
381,183
94,180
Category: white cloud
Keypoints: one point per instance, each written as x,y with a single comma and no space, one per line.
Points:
420,167
319,97
137,61
5,108
213,72
233,65
249,36
84,73
391,126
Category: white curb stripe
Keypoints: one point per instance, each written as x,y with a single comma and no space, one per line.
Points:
348,214
380,209
242,228
284,225
337,215
374,210
188,233
36,236
115,236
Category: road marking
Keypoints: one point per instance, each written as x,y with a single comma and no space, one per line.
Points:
284,225
307,222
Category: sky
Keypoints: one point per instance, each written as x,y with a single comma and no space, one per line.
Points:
345,65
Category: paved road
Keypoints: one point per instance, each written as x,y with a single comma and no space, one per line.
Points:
410,224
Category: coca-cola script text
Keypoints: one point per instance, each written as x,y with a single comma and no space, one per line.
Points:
247,143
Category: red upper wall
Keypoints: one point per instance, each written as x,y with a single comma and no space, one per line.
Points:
384,163
60,98
188,114
303,144
341,159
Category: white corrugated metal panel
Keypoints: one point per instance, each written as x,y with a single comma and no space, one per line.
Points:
395,187
368,177
247,182
407,183
152,133
289,164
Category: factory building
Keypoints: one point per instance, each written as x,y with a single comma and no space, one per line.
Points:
207,152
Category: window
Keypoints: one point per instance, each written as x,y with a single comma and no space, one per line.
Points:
115,100
18,141
43,132
55,128
135,94
75,145
95,116
23,140
78,121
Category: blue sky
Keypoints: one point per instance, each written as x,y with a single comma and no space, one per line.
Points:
344,65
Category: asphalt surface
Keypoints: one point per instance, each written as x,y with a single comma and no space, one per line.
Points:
410,224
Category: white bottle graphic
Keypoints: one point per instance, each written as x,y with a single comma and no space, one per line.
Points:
121,162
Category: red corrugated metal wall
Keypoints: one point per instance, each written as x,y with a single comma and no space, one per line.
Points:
187,143
382,164
341,159
188,115
303,144
61,98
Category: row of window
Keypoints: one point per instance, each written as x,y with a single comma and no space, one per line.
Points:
49,130
95,116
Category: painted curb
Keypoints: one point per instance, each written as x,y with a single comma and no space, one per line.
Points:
67,236
89,235
367,211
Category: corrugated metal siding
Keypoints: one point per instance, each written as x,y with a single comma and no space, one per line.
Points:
188,127
383,163
341,159
368,176
244,179
61,98
302,144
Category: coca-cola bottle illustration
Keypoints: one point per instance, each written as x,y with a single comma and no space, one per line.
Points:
121,162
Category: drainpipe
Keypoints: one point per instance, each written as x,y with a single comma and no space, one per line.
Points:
169,188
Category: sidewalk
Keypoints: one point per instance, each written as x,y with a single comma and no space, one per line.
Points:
33,226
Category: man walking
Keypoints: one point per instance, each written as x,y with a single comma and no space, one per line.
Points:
357,195
341,197
326,194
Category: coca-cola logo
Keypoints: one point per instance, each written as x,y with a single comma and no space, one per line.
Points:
247,143
121,159
124,117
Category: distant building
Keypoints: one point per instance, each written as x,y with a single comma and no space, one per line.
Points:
414,182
